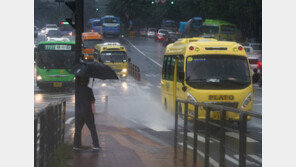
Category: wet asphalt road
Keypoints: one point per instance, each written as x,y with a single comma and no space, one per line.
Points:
137,104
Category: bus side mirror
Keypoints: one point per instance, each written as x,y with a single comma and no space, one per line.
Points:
129,60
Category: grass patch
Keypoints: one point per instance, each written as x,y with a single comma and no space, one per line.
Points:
62,155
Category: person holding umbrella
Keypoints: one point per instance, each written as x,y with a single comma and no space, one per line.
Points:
84,113
85,100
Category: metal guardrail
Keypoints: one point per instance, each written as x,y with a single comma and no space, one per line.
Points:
134,71
49,131
222,126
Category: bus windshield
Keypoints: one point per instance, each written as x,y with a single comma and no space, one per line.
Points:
91,43
56,59
217,72
114,57
210,29
96,23
196,24
227,29
170,24
111,20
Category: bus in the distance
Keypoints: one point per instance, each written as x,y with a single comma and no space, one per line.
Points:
219,29
89,41
66,29
53,63
205,70
95,25
111,25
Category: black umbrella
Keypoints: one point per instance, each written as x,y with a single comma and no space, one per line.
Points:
93,70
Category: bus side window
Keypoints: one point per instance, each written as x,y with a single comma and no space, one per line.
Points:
171,69
167,61
164,66
180,66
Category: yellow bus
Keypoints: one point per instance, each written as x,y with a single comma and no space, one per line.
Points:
114,55
209,71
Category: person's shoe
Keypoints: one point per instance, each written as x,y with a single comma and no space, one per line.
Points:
96,148
77,148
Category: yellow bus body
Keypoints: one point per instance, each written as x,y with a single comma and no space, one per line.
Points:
119,67
172,89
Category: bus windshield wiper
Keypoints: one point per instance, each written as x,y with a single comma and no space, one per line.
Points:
235,81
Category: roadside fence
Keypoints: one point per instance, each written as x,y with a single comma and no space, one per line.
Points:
49,132
134,71
221,125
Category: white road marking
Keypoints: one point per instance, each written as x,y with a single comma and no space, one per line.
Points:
212,161
229,158
158,86
143,53
157,128
68,121
236,136
256,157
249,162
199,137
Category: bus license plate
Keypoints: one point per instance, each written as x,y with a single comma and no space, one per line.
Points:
111,30
57,84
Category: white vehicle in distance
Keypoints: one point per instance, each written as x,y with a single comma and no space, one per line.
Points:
151,32
59,39
51,26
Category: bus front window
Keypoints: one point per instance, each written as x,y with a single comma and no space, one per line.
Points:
111,20
227,29
91,43
217,72
210,29
56,59
114,57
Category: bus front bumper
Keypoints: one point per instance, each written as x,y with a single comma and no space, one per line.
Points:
57,84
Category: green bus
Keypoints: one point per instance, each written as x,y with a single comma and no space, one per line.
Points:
219,29
54,60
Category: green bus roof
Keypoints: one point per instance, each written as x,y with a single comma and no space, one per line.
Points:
55,42
216,22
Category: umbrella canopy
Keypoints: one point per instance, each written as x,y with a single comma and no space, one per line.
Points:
93,70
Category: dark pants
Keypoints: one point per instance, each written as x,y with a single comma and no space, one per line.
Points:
89,120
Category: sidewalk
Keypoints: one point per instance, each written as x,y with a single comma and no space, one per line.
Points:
123,147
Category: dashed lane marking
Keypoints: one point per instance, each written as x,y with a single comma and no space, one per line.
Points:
212,161
143,53
199,137
236,136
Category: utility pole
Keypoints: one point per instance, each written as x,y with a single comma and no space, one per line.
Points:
79,26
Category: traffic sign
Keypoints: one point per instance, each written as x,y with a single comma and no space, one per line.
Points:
163,1
156,1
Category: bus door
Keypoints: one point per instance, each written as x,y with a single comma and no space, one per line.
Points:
167,81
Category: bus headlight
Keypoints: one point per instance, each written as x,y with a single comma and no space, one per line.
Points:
39,78
191,98
124,70
247,100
